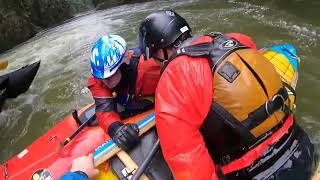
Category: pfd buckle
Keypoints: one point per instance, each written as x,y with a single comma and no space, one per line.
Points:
226,159
129,98
164,63
282,108
282,98
266,107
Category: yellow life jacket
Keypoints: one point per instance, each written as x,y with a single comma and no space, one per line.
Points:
287,67
249,102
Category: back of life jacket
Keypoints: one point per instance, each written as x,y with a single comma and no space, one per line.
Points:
249,103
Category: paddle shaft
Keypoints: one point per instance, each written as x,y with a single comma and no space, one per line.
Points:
130,164
75,116
147,160
109,148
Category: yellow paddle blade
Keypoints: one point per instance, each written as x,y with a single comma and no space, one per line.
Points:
3,65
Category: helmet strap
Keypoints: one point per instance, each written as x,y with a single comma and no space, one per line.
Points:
165,53
159,59
147,53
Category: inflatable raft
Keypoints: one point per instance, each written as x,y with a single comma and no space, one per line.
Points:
48,159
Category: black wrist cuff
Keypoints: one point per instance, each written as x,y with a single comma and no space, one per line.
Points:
82,173
113,128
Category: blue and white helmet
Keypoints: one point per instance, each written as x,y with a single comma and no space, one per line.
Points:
106,56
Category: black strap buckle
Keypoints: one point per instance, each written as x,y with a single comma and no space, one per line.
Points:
165,63
275,103
282,100
129,97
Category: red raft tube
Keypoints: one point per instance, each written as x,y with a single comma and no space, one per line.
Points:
46,157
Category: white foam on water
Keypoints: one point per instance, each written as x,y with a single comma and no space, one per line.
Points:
285,21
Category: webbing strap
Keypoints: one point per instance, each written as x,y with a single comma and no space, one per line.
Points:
290,88
215,51
260,114
254,153
193,51
202,49
219,111
133,74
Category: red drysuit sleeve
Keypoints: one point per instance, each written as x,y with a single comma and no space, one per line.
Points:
105,104
183,99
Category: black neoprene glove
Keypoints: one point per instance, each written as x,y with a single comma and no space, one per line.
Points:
126,136
135,107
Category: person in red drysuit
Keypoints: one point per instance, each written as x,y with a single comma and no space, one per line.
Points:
116,70
189,122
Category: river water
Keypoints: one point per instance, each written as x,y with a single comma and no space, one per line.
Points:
60,85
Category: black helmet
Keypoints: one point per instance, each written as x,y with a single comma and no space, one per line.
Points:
160,30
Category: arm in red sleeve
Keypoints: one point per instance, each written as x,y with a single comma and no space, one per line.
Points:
183,99
105,104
